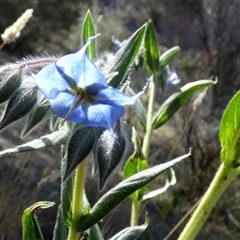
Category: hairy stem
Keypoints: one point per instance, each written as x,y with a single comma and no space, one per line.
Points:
224,176
77,203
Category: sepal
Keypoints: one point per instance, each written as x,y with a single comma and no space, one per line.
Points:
10,81
37,116
110,149
78,147
20,104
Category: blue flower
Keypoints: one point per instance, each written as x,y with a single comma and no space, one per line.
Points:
116,43
77,91
172,77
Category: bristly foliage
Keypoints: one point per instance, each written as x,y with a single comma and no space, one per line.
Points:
84,95
110,149
21,103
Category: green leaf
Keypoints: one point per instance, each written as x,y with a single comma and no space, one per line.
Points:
21,103
10,81
130,233
54,123
89,31
162,78
110,148
31,229
36,117
229,133
79,146
175,101
165,59
66,190
66,200
124,189
54,139
135,164
151,52
60,229
167,56
126,56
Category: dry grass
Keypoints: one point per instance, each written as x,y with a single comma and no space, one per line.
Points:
15,197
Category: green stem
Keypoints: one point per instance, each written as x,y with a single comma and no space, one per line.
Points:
77,203
135,212
146,146
148,134
224,176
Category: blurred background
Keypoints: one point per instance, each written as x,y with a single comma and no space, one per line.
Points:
208,34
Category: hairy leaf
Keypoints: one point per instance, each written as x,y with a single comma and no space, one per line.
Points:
66,190
21,103
79,146
175,101
126,56
36,117
110,149
54,139
10,81
125,188
66,199
60,229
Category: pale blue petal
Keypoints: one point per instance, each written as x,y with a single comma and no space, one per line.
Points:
81,69
63,104
114,97
117,43
102,115
91,75
50,82
72,64
172,79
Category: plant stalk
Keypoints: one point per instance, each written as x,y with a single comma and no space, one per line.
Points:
224,176
77,202
146,146
148,134
135,212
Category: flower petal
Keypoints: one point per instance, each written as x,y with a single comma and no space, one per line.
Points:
63,104
50,82
114,97
81,69
172,79
102,115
